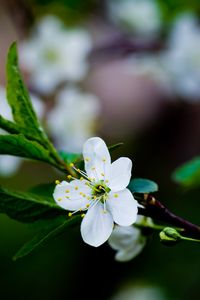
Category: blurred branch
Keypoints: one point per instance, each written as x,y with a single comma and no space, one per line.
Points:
156,210
20,14
120,46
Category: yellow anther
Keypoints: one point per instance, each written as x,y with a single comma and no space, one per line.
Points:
95,197
106,181
59,199
69,176
67,197
102,174
57,181
80,209
78,170
88,198
81,193
93,168
69,214
81,178
83,215
104,159
116,195
87,205
67,191
84,195
100,187
76,188
71,165
87,159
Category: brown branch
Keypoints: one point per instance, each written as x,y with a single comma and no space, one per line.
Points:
156,210
121,45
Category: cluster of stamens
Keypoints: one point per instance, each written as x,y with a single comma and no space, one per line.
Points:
99,190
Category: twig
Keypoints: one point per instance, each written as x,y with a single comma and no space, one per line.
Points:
120,46
156,210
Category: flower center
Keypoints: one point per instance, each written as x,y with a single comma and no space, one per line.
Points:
100,189
51,55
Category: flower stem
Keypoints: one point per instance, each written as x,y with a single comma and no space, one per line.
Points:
155,227
189,239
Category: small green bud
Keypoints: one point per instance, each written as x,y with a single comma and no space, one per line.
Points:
170,236
171,232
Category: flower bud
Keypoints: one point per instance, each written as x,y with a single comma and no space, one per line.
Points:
170,236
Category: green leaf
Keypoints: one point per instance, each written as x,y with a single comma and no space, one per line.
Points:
143,186
18,145
56,227
18,97
189,173
8,125
45,189
70,157
23,113
27,207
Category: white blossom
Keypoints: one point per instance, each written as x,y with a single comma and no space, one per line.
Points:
10,164
140,292
141,16
150,66
72,121
128,241
54,54
101,193
182,58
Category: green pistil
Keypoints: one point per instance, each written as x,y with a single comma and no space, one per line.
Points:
100,189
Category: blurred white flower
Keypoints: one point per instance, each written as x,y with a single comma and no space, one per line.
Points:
140,292
149,65
182,58
128,241
5,109
10,164
72,121
54,54
141,16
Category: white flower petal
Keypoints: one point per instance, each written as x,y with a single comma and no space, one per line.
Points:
96,226
121,237
123,207
132,251
120,174
72,195
97,159
128,241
